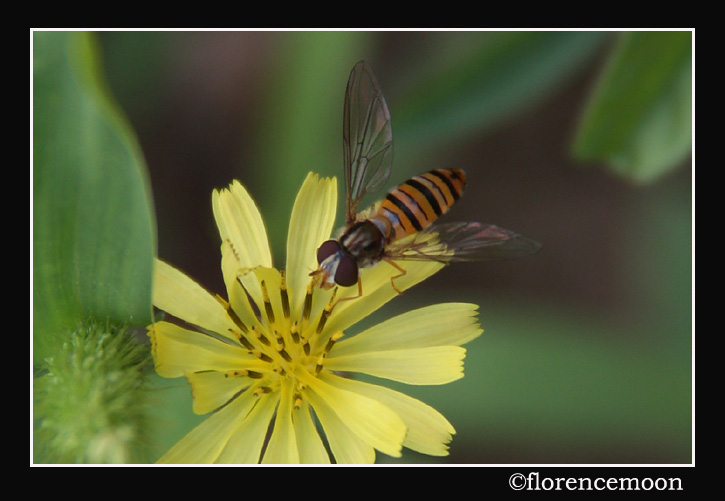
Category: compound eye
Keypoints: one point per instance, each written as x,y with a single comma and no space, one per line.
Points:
346,273
326,250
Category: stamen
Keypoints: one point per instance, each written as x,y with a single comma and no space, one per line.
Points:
308,301
283,294
285,355
237,373
280,340
298,401
261,390
262,356
255,374
261,337
333,339
242,340
326,312
328,347
250,300
267,303
320,363
295,333
232,314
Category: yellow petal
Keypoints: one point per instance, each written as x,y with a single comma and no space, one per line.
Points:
238,299
212,389
313,217
373,422
240,222
204,444
180,296
309,443
433,365
437,325
346,446
263,285
245,444
377,290
177,350
282,448
428,431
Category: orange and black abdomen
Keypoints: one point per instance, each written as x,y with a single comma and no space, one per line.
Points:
419,201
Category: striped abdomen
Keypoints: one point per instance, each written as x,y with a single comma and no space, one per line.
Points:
419,201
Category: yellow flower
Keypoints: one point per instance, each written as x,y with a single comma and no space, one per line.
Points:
273,351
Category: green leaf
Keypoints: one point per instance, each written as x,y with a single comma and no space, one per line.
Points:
93,227
639,120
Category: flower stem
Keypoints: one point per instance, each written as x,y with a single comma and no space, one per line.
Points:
90,398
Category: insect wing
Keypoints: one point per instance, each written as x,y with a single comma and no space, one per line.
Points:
462,242
367,138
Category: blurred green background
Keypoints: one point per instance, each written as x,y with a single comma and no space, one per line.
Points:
587,350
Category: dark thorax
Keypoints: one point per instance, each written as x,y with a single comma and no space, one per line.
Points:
365,242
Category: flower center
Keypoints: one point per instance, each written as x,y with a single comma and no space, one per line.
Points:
288,351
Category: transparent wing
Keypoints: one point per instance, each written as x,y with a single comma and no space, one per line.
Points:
451,242
367,138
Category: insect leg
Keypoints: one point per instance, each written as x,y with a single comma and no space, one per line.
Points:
392,279
359,293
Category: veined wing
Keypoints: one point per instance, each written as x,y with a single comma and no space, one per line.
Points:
451,242
367,138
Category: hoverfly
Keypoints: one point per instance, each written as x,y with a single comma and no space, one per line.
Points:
401,226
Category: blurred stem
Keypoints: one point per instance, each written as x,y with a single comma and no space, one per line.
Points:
303,129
